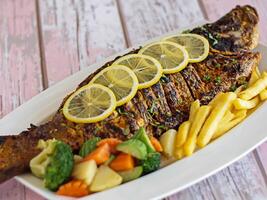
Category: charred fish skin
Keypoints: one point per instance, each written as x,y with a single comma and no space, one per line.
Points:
235,31
219,73
17,151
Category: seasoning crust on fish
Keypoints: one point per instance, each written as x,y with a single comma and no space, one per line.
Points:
163,106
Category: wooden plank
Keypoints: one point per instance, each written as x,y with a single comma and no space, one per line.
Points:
152,18
246,176
12,190
20,70
77,33
215,9
59,33
100,32
227,188
19,54
147,19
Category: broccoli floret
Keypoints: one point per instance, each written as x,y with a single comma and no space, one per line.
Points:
54,163
152,162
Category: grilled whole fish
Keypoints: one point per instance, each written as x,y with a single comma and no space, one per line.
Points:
163,106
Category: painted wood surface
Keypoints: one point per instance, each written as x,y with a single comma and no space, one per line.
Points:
20,69
78,33
42,42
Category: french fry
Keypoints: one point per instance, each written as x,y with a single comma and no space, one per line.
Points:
263,94
223,128
225,120
255,75
255,88
198,121
257,70
210,126
179,153
190,145
216,99
241,113
241,104
182,134
227,117
239,89
193,109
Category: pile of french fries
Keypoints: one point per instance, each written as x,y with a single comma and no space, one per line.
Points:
225,111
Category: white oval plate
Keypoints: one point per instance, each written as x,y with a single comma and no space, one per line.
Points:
166,181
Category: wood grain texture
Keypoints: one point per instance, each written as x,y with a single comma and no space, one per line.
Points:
20,71
78,33
150,19
146,19
100,32
19,54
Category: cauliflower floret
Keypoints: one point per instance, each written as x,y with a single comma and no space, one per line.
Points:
54,164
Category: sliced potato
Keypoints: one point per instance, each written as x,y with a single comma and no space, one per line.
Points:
223,128
198,121
167,140
210,126
77,158
241,104
85,171
182,134
105,178
263,94
255,88
193,109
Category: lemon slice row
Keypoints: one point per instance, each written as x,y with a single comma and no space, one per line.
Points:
117,84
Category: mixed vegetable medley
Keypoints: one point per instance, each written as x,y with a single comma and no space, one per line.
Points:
100,165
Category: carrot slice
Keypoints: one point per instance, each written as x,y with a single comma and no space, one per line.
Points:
122,162
112,142
74,188
100,154
156,144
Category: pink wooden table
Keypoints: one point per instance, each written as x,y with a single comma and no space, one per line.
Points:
41,42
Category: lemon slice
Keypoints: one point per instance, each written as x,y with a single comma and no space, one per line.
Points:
121,80
172,57
147,69
197,46
90,103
